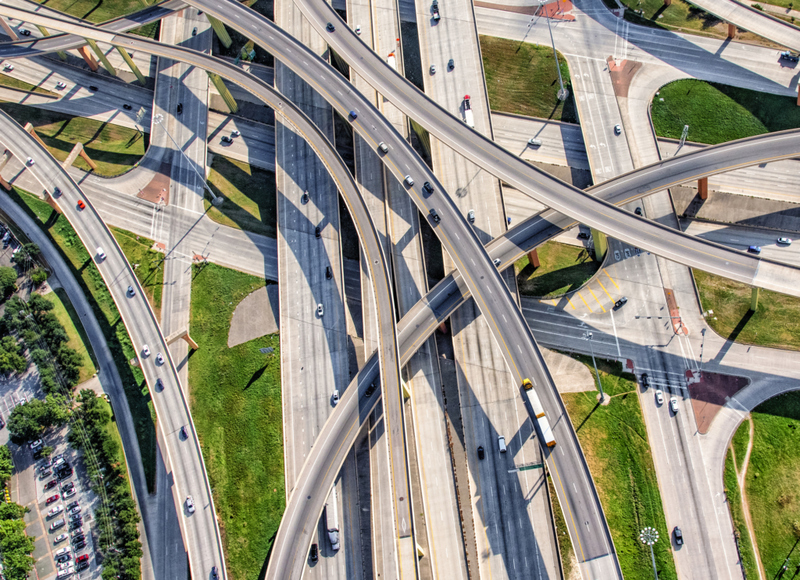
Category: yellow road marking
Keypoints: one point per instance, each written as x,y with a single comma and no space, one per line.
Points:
595,297
584,301
610,278
570,303
604,290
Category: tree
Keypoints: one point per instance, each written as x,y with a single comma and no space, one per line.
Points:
6,465
12,511
38,276
29,420
26,255
8,280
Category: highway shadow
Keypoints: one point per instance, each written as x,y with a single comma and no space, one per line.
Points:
653,40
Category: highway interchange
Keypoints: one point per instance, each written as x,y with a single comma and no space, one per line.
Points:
454,226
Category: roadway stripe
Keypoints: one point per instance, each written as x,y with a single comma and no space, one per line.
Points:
584,301
604,290
610,278
570,302
595,297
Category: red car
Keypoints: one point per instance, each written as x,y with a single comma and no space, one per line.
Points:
50,484
51,499
83,558
81,205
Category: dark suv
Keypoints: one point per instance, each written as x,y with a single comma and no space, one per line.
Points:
620,303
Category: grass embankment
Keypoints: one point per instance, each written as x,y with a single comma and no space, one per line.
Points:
772,483
735,505
147,263
78,259
13,83
236,405
97,12
564,268
614,439
741,440
113,431
250,196
568,559
775,323
719,113
521,78
78,341
113,148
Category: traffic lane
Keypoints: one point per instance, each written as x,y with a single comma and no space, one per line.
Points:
92,236
544,188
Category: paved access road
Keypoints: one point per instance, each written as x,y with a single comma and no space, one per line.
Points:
183,454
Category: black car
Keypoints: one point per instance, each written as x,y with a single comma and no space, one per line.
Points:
214,574
75,524
24,32
427,187
645,382
678,536
62,475
82,566
328,273
317,232
67,486
180,108
330,27
194,31
583,235
370,390
72,505
791,57
314,555
93,88
79,545
78,538
481,452
620,303
127,107
451,64
638,211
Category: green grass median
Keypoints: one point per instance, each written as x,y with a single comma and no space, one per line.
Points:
236,406
772,482
614,440
521,78
78,341
113,148
564,268
719,113
776,322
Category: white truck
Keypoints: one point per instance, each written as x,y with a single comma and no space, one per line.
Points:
538,415
468,112
332,520
391,60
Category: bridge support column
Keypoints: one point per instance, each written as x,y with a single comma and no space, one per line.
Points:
101,55
7,27
87,56
3,162
754,299
78,150
731,30
224,92
131,65
219,28
406,392
533,258
702,187
61,54
184,334
30,129
443,328
600,244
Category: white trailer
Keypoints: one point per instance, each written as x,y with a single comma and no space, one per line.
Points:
538,416
332,520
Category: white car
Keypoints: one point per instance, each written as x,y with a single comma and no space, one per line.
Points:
160,358
61,85
55,511
60,538
320,310
62,551
146,350
37,443
8,67
101,255
235,133
335,397
673,404
189,504
785,241
69,493
30,161
660,397
358,29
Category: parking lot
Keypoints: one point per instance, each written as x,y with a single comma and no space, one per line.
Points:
27,489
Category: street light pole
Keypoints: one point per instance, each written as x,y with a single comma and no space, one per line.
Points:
216,200
588,337
702,345
562,92
649,536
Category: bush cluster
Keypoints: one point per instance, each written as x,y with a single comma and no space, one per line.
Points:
91,420
15,546
37,327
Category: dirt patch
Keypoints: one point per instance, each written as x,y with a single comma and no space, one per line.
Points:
255,316
157,190
709,392
622,72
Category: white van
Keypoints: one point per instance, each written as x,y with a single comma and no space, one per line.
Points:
501,443
101,255
66,573
533,142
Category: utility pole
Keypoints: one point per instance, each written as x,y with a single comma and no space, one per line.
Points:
588,336
562,92
215,199
649,536
702,345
